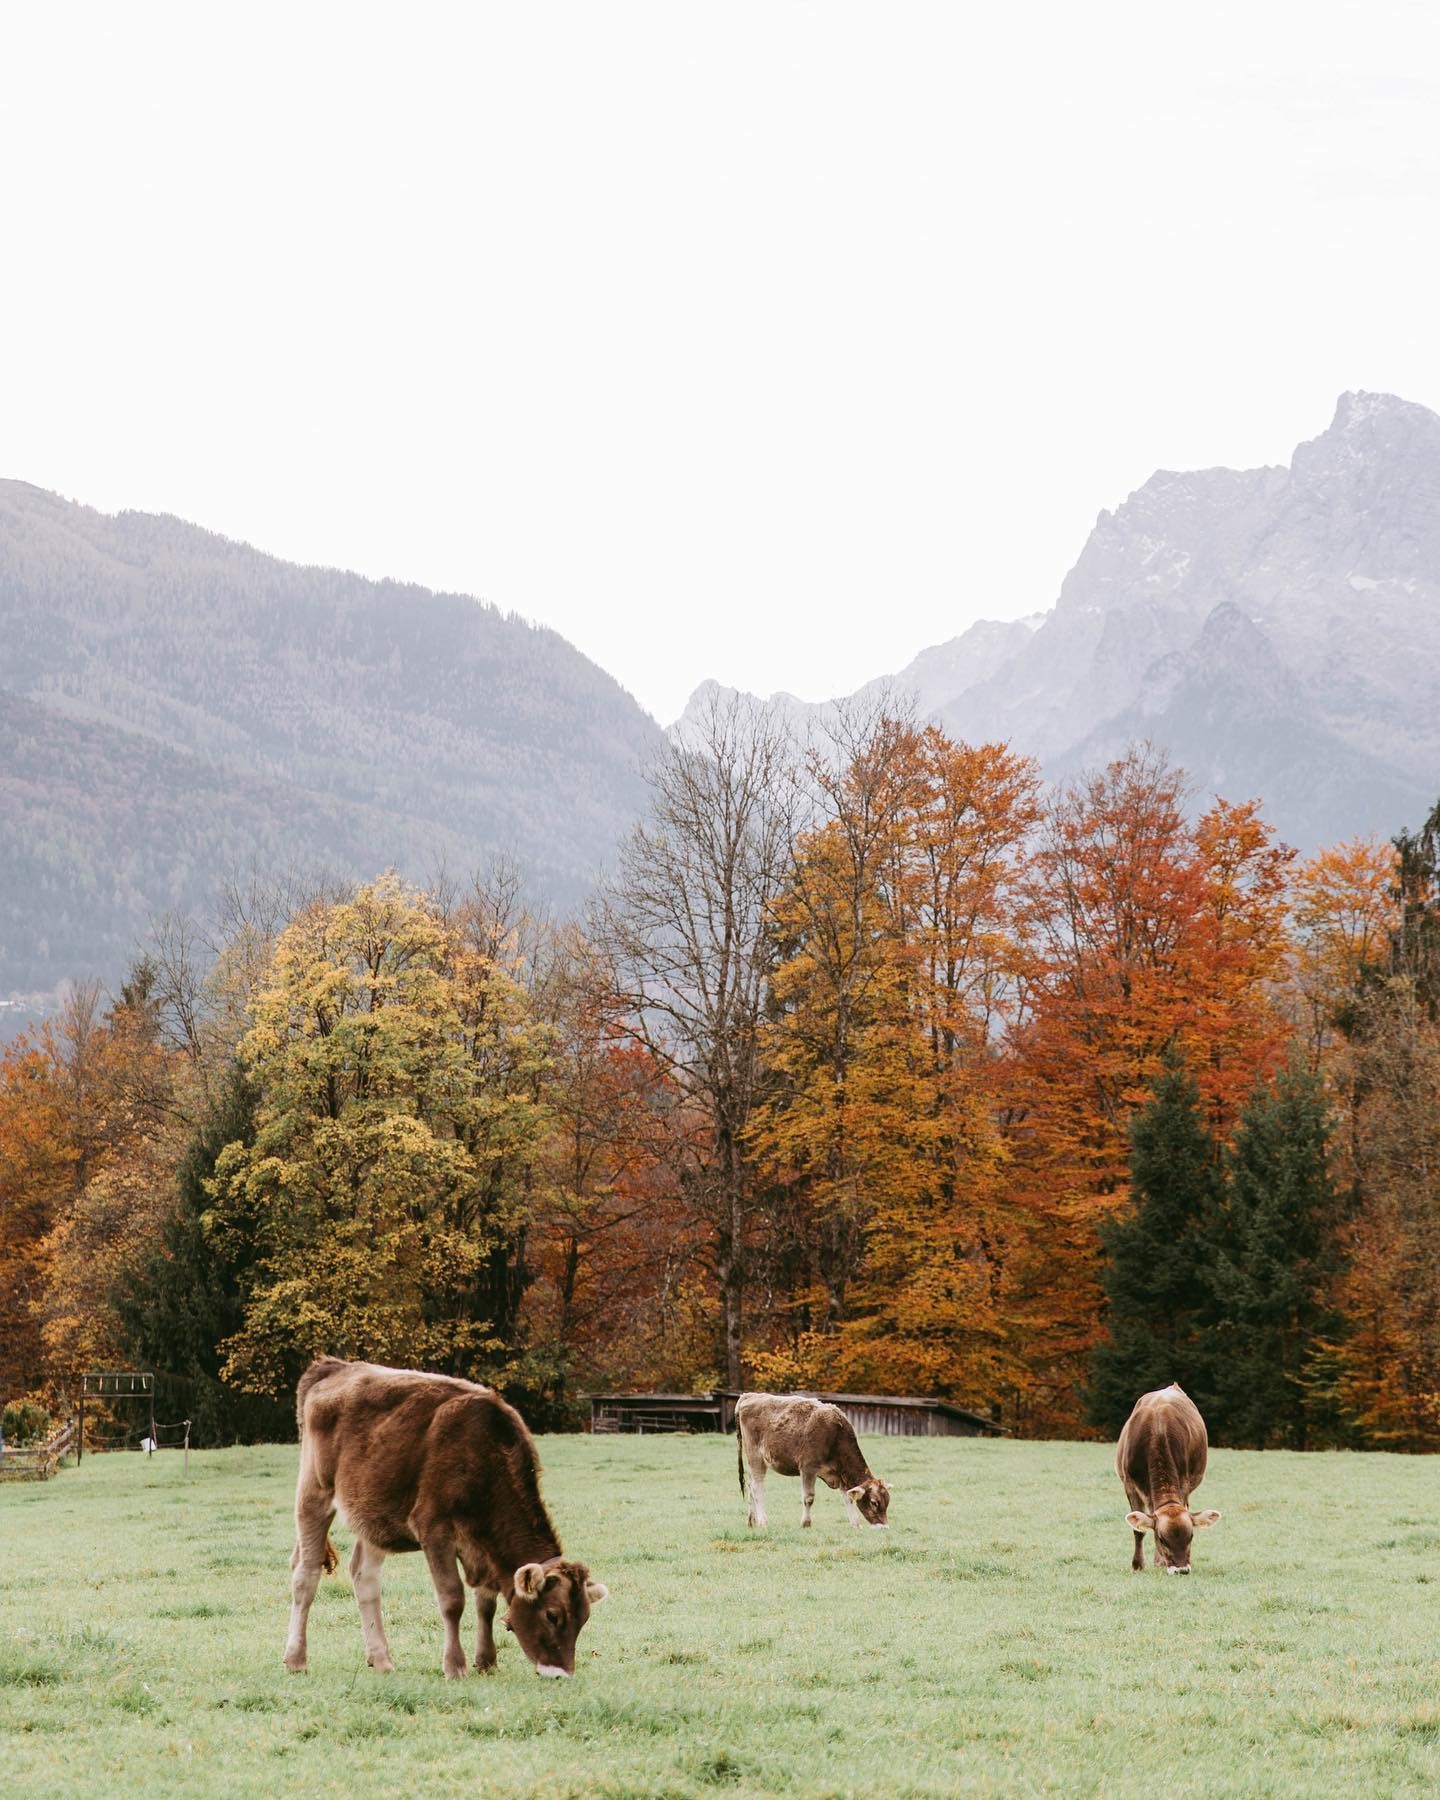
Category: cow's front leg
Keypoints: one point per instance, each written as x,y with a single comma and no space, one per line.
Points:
1137,1561
365,1561
757,1494
854,1512
807,1497
485,1634
307,1564
450,1594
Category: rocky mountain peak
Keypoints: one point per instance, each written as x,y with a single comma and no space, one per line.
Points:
1365,495
1359,411
1278,629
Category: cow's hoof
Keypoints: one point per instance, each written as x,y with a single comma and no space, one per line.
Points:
382,1665
454,1671
485,1668
295,1664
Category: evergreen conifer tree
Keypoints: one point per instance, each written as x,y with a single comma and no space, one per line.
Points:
1415,944
1273,1265
188,1299
1155,1257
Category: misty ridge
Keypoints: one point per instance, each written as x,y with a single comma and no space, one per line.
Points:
176,707
1276,631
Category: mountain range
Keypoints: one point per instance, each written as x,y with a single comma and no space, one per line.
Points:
175,706
1276,630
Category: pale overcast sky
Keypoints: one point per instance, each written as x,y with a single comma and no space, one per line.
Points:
770,342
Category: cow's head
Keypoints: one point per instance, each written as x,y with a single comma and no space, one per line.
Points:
550,1603
1174,1526
872,1500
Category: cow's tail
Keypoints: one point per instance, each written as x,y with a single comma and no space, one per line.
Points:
318,1370
740,1455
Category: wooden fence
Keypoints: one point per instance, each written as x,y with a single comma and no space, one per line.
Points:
37,1462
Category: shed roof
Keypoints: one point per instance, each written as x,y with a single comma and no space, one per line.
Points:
672,1399
913,1401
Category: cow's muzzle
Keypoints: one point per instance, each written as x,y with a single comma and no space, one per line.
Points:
553,1669
1172,1570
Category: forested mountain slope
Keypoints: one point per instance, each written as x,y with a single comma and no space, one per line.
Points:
173,704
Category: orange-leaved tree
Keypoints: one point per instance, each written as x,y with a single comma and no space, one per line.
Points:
1345,907
1153,935
37,1175
1372,919
619,1294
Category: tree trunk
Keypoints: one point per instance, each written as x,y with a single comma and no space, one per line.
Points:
733,1290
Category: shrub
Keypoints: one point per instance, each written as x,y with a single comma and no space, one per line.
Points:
25,1421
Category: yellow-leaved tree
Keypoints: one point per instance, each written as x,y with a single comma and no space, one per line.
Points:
388,1187
897,970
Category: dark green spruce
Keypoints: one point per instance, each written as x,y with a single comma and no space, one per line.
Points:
1155,1253
1273,1267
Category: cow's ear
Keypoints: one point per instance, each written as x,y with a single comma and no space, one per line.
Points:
1208,1517
595,1592
1138,1521
529,1580
855,1492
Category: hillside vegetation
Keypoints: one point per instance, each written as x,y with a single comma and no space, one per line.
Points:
173,705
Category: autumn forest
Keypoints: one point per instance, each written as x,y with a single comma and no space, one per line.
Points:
875,1064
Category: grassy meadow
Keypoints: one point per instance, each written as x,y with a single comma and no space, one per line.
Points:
993,1641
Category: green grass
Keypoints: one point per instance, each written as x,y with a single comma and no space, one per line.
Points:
994,1641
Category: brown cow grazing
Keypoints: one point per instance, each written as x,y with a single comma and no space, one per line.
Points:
1160,1460
426,1462
796,1435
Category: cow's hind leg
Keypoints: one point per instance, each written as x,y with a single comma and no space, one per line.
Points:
485,1630
365,1563
1137,1561
450,1594
307,1563
807,1497
757,1491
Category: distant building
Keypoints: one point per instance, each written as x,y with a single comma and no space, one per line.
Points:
882,1415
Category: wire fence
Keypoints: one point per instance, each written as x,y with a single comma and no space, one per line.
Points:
173,1434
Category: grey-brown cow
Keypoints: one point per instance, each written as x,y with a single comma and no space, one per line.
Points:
1160,1460
794,1434
426,1462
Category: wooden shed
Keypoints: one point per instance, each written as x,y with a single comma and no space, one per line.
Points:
894,1415
654,1412
884,1415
